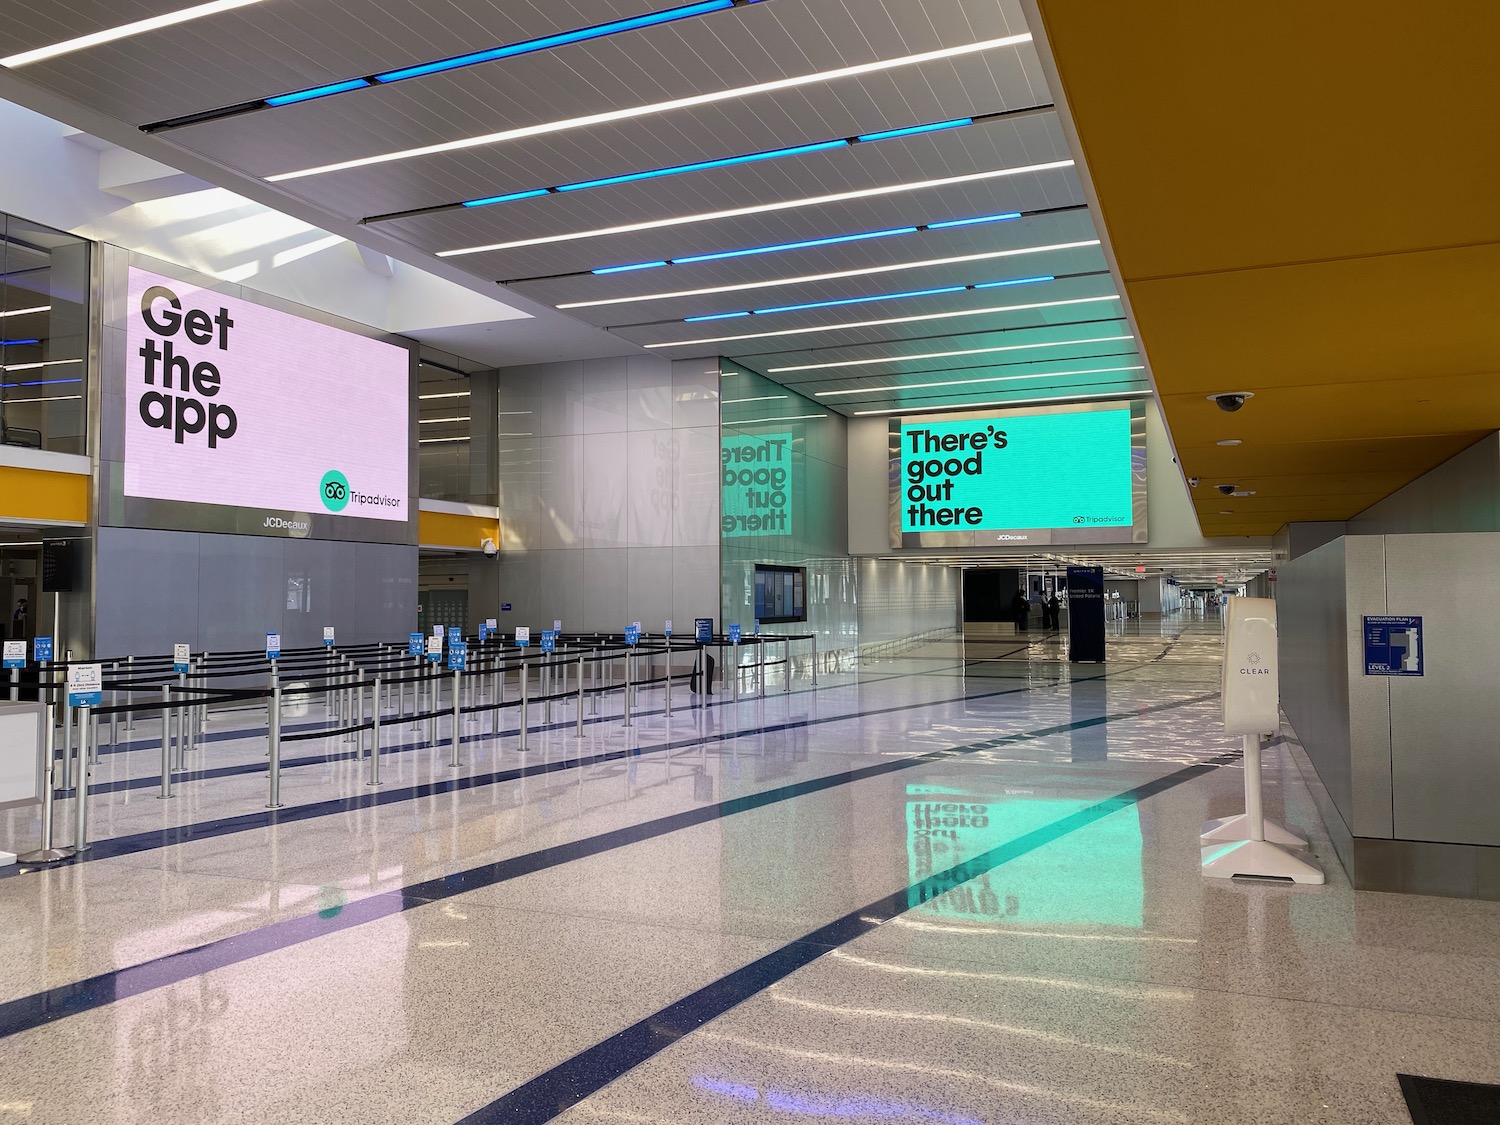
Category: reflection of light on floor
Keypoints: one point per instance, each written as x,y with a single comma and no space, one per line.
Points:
992,930
1132,992
965,1021
940,1072
809,1105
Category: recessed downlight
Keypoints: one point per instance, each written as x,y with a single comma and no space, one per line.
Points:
1243,492
1225,512
1228,441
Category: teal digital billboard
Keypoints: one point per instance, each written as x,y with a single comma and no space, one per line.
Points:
1059,475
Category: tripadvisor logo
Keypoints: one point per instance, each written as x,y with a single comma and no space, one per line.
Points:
336,494
334,490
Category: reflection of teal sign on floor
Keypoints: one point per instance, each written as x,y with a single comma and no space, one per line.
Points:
1017,472
1091,876
755,484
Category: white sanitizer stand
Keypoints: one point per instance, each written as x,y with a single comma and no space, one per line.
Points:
1249,844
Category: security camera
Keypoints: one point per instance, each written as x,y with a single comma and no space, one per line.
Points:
1193,482
1230,401
1226,489
487,545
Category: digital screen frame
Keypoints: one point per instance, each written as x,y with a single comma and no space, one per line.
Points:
231,411
1018,477
780,593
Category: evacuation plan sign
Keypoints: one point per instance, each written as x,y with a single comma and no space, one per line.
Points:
1393,646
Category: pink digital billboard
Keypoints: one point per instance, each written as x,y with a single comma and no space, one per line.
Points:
232,403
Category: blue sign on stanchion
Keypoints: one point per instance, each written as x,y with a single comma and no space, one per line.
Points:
15,654
523,636
41,649
327,636
703,629
273,646
458,657
734,634
434,650
455,635
549,641
667,631
757,626
414,644
632,634
484,632
181,658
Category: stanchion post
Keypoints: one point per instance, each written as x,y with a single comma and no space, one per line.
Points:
525,706
735,648
182,721
458,698
667,693
274,745
130,716
578,730
114,701
81,793
815,660
375,737
15,685
786,680
166,745
61,693
629,683
47,853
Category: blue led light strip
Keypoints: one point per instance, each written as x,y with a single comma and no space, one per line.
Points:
456,62
679,169
16,343
807,244
875,297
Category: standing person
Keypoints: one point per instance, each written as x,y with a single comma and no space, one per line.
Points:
1054,611
1020,609
1046,610
18,620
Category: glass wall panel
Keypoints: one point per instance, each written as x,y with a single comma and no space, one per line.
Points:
44,322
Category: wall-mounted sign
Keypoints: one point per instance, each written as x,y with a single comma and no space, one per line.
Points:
1393,646
229,402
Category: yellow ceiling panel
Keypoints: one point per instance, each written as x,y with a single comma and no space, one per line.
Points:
1302,201
1225,135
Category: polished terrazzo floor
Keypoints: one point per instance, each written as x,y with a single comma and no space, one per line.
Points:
954,886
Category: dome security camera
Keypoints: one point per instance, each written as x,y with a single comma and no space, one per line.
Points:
1230,401
487,545
1226,489
1193,482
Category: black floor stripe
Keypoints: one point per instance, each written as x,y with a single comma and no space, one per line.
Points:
564,1086
103,989
1440,1101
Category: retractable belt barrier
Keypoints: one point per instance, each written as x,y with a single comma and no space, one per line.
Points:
363,688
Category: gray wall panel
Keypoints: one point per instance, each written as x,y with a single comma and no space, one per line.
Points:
1446,750
1369,697
1461,494
1312,626
224,592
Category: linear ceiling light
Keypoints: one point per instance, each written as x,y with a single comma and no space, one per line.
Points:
17,343
881,323
736,94
692,166
26,312
1122,395
758,208
973,382
34,365
758,421
435,421
948,355
124,31
37,382
505,51
445,394
439,440
836,275
883,297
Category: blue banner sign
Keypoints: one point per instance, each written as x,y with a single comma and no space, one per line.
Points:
1393,646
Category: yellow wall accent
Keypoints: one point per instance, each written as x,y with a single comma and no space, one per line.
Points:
443,529
35,494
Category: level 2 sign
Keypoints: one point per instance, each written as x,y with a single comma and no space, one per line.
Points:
84,685
1393,646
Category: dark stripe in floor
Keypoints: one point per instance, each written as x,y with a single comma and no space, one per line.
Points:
1439,1101
99,991
555,1091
